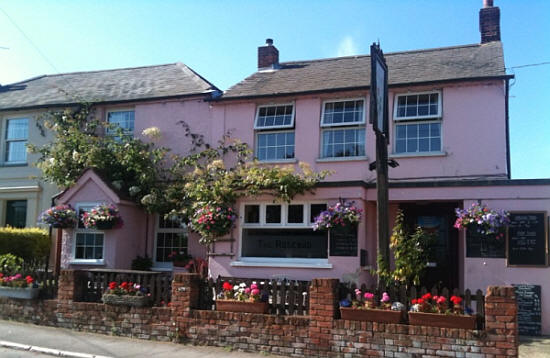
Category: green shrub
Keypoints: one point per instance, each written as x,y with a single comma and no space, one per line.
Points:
10,264
31,244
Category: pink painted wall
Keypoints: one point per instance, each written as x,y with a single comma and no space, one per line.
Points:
472,123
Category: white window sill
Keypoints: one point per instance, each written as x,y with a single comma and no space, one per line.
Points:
342,159
281,264
418,154
162,269
87,262
278,161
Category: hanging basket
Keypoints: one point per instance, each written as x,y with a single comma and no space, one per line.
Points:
105,225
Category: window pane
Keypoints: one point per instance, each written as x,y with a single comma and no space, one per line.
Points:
252,214
295,214
273,214
424,145
16,213
123,119
424,137
424,130
316,209
274,116
16,151
286,243
275,146
343,143
17,128
343,112
435,144
417,106
400,146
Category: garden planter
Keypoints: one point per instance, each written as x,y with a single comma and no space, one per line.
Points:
372,315
27,293
179,263
241,306
126,300
442,320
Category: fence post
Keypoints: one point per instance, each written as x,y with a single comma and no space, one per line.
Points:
185,297
71,285
323,303
501,321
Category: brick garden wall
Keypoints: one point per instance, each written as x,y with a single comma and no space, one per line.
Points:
316,335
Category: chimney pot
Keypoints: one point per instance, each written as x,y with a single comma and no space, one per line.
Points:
268,55
489,22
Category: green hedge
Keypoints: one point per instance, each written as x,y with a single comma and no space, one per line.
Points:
30,244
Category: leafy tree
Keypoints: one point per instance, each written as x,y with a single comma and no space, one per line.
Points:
411,253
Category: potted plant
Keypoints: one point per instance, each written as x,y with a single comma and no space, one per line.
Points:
342,214
212,222
126,294
431,310
240,298
179,258
102,217
17,286
59,216
368,310
490,224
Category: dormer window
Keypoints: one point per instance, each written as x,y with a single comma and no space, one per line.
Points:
274,127
343,135
417,118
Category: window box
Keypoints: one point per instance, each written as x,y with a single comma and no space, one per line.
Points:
371,315
126,300
241,306
27,293
442,320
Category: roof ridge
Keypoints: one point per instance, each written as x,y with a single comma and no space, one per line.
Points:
385,54
93,71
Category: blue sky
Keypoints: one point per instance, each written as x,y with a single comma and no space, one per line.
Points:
219,40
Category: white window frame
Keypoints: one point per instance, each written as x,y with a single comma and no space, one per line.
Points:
257,146
439,114
78,230
440,151
160,265
322,142
291,125
8,141
347,124
112,132
279,261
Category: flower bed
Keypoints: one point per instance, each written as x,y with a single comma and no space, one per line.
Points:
15,286
126,294
364,308
240,298
434,311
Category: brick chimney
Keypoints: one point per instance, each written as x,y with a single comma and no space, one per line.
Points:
489,22
268,55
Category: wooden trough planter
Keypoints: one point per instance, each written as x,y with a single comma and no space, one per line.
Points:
27,293
126,300
371,315
442,320
241,306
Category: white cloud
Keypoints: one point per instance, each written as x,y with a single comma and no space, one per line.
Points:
347,47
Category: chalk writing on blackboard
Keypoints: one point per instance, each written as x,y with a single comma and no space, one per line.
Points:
529,309
527,239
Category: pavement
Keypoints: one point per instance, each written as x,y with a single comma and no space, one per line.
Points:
534,347
27,340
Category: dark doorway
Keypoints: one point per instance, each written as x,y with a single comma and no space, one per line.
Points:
437,218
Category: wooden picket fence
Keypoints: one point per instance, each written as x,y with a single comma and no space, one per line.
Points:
473,302
96,282
285,297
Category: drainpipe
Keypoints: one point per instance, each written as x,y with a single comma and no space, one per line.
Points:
507,118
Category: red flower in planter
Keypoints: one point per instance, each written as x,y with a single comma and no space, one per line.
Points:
29,280
227,286
112,285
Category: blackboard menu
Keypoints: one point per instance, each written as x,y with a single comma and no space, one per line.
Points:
529,309
527,239
478,245
343,241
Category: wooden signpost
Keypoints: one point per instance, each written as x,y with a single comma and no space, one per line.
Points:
379,120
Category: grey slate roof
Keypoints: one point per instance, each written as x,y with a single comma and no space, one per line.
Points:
439,64
124,84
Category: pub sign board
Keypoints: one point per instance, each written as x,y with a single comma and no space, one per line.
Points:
379,91
529,309
527,239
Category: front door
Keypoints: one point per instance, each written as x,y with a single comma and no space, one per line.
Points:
437,218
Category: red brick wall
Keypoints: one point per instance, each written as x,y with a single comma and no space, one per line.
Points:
318,335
